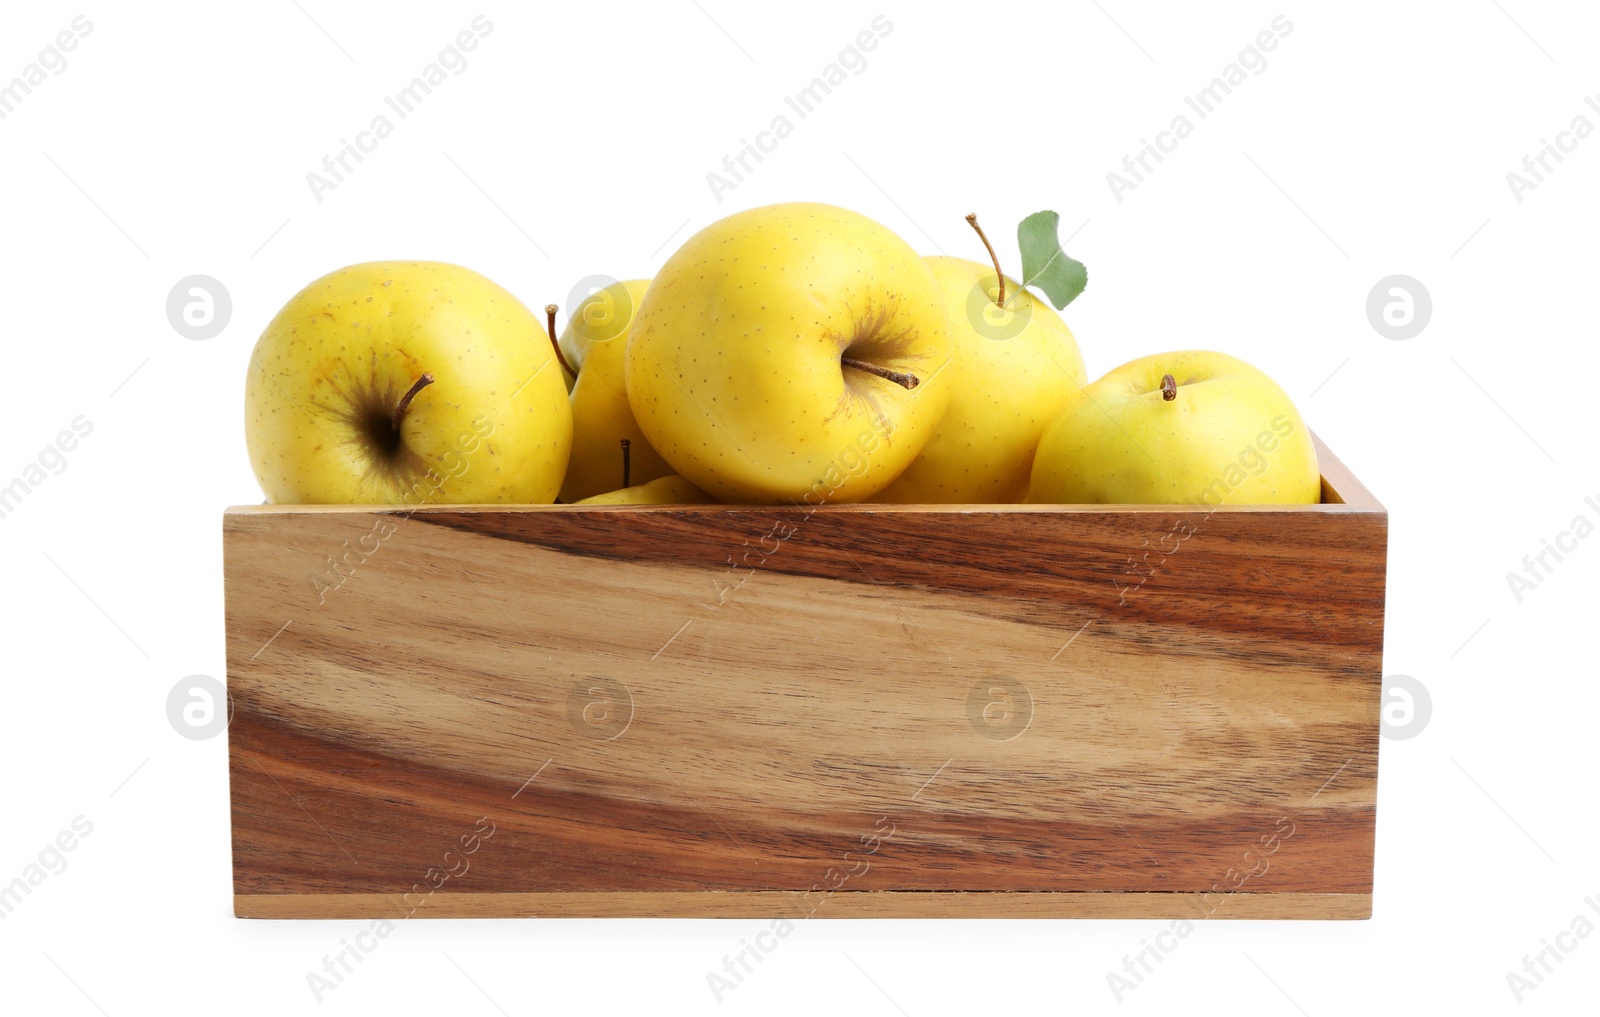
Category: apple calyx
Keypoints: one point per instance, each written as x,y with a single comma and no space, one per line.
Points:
1000,298
625,445
902,378
1169,387
405,403
555,344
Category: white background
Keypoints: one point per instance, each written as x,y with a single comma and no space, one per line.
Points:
577,141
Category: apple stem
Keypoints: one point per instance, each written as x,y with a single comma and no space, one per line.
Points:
972,220
405,400
900,378
1169,387
555,344
626,456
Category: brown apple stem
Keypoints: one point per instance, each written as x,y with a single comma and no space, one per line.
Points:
972,220
900,378
555,344
1169,387
405,400
626,456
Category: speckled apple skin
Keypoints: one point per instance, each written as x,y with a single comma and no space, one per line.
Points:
494,427
1229,436
1011,376
734,366
601,416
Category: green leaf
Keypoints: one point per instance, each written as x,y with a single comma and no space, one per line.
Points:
1044,264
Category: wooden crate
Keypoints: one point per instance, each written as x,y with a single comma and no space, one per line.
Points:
858,710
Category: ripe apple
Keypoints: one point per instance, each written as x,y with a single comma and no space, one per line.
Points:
669,490
406,382
1015,365
791,352
1193,427
594,341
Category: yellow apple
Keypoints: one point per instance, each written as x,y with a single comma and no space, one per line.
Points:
1013,370
594,341
790,353
668,490
1193,427
406,383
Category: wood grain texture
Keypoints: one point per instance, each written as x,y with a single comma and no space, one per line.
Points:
650,725
789,904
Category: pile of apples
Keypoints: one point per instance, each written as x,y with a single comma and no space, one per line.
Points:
796,353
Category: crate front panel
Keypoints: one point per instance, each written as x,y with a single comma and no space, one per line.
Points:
769,699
